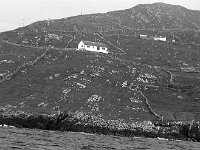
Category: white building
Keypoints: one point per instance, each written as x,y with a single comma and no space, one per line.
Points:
142,36
93,46
160,38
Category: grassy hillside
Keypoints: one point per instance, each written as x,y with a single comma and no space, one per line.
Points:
113,86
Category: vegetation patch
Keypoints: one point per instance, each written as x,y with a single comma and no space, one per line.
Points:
81,122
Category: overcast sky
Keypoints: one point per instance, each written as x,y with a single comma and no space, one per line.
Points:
16,13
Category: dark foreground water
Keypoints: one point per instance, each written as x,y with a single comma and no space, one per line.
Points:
32,139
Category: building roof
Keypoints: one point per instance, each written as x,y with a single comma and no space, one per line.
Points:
94,43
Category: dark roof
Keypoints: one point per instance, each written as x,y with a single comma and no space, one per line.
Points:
94,43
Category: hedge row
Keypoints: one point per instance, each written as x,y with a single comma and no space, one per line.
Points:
81,122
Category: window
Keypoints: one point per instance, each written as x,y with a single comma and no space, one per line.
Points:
82,46
88,46
103,48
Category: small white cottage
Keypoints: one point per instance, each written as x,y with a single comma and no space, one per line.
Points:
93,46
160,38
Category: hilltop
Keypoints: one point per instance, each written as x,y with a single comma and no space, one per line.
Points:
151,19
158,16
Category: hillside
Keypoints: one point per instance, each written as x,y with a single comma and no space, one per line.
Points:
112,86
139,80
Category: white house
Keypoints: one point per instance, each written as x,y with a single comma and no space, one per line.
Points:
93,46
160,38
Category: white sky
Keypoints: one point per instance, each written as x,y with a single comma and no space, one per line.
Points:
15,13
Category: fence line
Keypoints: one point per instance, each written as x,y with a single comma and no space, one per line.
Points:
30,63
110,42
151,110
74,37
